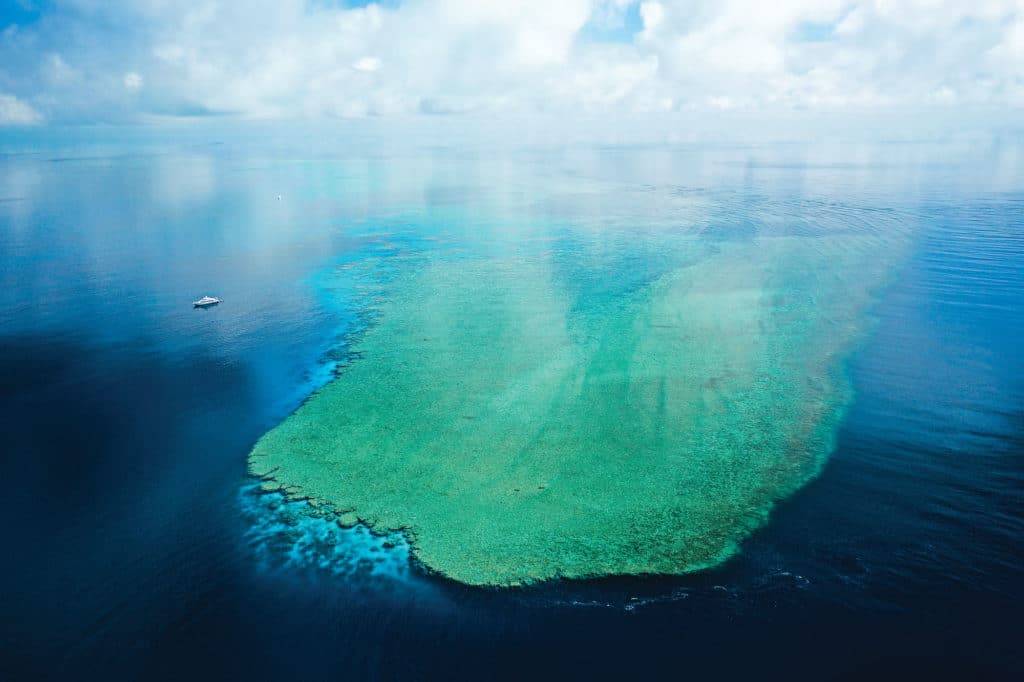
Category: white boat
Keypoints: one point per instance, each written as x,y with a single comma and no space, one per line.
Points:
205,302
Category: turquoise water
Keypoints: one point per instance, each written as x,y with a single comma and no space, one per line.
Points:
577,396
142,550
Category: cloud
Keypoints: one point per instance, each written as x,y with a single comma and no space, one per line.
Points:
14,112
306,59
367,64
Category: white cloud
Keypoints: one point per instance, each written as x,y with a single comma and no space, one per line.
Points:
295,58
367,64
58,71
15,112
652,13
132,81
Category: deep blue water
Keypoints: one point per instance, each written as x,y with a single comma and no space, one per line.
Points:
136,549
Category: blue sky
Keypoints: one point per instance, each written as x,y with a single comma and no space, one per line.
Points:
119,61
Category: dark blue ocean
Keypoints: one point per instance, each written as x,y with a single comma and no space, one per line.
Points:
135,547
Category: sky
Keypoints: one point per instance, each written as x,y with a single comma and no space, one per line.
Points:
131,61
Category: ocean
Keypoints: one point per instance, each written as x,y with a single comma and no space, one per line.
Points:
140,548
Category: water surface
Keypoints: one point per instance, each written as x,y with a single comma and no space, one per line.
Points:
139,549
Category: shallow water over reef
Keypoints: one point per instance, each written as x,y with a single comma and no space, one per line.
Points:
534,407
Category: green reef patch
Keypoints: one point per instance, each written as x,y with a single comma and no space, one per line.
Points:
516,435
